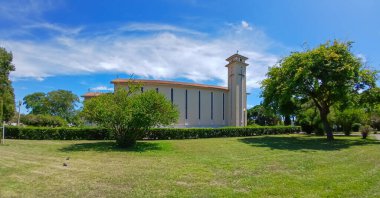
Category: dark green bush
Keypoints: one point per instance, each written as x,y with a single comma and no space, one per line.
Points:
356,126
188,133
72,133
43,120
57,133
307,128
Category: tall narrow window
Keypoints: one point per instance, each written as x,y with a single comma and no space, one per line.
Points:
171,95
142,89
199,104
212,105
186,104
157,89
223,106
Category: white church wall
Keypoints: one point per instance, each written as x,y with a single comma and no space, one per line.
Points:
193,119
199,112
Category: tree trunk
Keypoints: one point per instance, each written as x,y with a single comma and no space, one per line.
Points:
125,142
125,138
326,126
287,120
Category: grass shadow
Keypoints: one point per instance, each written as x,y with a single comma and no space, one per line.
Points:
112,146
306,143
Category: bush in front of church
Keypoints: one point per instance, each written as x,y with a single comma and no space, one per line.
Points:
129,115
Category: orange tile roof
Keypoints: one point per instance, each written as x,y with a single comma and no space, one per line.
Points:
163,82
91,94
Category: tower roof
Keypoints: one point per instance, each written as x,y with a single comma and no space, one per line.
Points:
236,57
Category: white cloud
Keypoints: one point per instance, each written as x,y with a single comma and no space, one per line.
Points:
149,27
25,10
55,27
245,25
102,88
165,54
362,57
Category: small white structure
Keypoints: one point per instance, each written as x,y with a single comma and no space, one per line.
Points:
203,105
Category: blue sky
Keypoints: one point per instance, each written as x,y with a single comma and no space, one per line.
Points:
82,45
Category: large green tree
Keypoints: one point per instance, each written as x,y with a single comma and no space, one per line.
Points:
7,98
60,103
261,116
370,98
129,114
327,75
36,103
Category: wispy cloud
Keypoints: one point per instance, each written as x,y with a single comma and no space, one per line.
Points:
101,88
154,27
55,28
245,25
25,10
362,57
164,53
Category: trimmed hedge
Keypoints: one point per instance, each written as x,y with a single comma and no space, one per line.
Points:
73,133
56,133
191,133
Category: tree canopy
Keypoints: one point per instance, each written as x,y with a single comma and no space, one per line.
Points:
326,75
60,103
7,98
129,114
36,103
261,116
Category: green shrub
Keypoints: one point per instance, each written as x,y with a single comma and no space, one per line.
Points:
308,128
57,133
72,133
348,117
189,133
319,132
43,120
365,130
375,119
356,126
128,114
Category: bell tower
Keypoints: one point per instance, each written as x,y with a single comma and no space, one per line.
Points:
237,92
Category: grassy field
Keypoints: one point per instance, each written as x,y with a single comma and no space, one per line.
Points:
263,166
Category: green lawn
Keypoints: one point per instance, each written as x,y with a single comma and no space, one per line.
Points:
263,166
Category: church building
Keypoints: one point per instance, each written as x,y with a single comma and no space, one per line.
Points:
202,105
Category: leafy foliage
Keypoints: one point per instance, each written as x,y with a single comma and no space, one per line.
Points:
43,120
309,120
60,103
375,118
348,117
7,98
74,133
36,103
190,133
365,130
370,98
56,133
327,75
129,114
261,116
